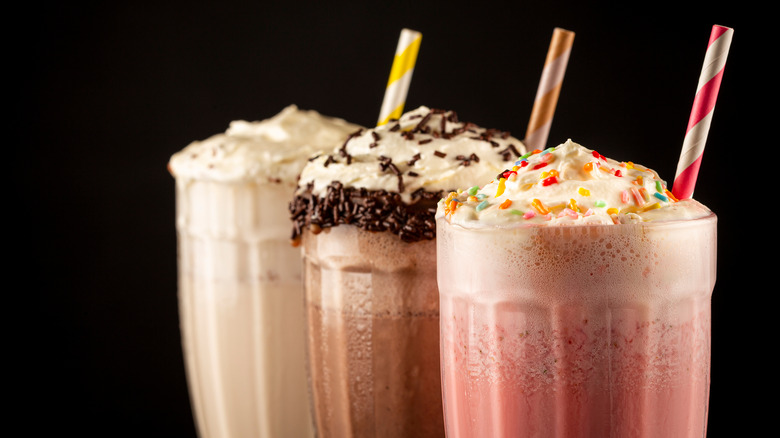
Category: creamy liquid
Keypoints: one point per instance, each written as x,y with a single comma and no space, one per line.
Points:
576,331
373,334
242,320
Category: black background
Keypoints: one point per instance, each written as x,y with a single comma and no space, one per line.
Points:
103,94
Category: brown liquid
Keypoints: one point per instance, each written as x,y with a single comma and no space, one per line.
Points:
373,335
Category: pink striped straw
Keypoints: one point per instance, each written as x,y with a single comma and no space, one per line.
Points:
701,114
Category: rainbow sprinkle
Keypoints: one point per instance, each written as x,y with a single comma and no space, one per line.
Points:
501,187
644,194
549,181
637,198
539,206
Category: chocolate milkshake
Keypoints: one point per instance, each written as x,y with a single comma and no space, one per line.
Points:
365,215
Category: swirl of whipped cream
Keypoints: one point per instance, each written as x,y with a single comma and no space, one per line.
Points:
272,150
425,149
567,185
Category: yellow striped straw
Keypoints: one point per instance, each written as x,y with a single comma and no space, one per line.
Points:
400,76
549,89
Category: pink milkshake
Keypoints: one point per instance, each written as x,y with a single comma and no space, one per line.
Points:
575,302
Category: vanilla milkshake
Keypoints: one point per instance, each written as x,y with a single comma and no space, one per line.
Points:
575,302
365,216
240,285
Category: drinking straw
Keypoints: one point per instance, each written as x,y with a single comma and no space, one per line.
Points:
400,76
549,89
701,114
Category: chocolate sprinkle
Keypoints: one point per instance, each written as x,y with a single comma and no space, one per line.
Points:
422,125
395,171
509,151
466,161
372,210
383,210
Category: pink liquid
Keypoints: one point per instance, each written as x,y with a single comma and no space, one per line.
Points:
616,344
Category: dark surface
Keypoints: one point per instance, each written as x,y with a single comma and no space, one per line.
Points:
108,93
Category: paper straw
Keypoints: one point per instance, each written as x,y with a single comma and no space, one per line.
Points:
400,76
701,114
549,89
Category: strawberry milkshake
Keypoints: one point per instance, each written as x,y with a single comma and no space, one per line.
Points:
575,302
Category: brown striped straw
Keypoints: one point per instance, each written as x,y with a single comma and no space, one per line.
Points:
549,89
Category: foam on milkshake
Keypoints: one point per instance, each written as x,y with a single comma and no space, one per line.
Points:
568,185
271,150
389,178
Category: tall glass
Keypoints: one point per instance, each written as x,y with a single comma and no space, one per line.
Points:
372,309
576,331
242,321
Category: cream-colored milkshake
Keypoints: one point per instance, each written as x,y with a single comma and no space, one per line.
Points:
240,286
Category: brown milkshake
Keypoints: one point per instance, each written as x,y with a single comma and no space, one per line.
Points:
365,217
373,330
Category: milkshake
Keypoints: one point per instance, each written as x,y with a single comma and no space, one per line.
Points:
240,282
575,302
365,216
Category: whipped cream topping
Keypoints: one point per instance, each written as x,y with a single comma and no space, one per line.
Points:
272,150
567,185
425,149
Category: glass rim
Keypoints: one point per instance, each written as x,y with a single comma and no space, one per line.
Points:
665,223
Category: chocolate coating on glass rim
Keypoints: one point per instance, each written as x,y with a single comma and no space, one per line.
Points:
371,210
384,210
